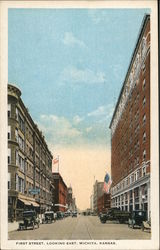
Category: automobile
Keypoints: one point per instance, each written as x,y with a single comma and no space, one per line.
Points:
48,217
30,220
136,218
114,214
103,217
74,214
59,215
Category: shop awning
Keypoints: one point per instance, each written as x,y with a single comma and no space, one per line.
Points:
25,201
35,204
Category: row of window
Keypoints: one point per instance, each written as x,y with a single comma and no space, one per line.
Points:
141,172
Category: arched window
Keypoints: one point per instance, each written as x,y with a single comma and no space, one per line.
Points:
144,154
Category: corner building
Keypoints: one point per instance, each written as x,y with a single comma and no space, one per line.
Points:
30,184
130,132
60,193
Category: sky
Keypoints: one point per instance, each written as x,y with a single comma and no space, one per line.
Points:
70,65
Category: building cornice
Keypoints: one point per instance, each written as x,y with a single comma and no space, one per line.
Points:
140,36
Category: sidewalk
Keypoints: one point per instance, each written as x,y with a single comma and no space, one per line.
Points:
12,226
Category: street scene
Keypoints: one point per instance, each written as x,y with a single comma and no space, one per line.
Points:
79,124
80,228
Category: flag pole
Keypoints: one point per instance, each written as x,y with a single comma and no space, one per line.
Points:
58,163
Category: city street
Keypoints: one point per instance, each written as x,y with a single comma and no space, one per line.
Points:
80,228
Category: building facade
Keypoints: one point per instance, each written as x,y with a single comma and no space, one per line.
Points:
104,202
97,192
29,161
130,131
71,201
60,195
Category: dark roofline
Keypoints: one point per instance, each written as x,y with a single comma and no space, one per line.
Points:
60,177
141,31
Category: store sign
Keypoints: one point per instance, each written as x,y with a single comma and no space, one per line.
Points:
34,191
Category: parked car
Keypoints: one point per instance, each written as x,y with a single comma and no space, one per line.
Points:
114,214
48,217
30,220
60,215
74,214
136,218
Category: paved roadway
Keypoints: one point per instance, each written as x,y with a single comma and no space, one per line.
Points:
80,228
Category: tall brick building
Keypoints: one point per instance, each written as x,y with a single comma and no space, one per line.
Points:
130,131
97,192
104,202
30,184
60,195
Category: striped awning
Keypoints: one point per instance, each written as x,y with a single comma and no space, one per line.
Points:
29,202
35,204
26,202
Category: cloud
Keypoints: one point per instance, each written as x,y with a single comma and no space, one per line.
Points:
87,76
58,130
89,129
106,111
77,131
77,119
71,40
98,112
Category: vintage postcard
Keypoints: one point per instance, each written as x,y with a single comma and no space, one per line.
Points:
79,150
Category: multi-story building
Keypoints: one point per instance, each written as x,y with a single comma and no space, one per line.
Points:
104,202
91,202
97,192
71,201
29,160
60,195
130,131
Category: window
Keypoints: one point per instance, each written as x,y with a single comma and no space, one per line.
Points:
9,180
135,176
9,155
16,178
16,134
138,174
9,132
144,84
20,185
16,114
21,163
144,101
144,171
144,136
9,110
21,142
144,154
17,159
144,119
21,123
144,68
